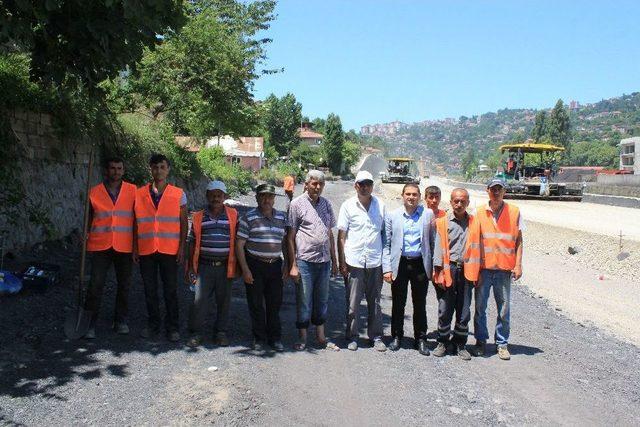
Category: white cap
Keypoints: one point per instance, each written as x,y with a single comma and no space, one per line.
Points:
364,176
217,185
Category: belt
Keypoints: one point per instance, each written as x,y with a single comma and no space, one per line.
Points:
456,263
412,258
265,260
214,262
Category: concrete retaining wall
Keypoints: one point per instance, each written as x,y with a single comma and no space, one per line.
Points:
626,180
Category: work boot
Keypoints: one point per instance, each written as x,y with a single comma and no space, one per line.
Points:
257,346
194,341
173,336
478,350
149,332
423,349
121,328
503,352
440,350
222,340
277,346
353,345
463,353
395,344
90,334
379,345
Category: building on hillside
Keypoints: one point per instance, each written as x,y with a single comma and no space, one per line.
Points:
309,137
246,151
630,155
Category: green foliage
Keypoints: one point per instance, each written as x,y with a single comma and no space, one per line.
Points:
85,41
306,155
275,173
469,164
139,138
202,76
558,127
351,152
333,143
213,164
594,153
282,120
539,127
16,90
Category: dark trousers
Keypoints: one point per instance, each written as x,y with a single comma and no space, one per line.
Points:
168,268
456,297
264,297
409,271
213,283
100,263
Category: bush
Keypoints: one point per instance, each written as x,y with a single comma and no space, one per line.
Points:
139,138
276,172
214,166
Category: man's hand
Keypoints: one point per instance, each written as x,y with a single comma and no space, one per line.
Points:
334,269
344,270
247,277
517,272
180,255
388,277
295,273
135,256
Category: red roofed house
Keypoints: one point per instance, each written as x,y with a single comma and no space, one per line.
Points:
309,137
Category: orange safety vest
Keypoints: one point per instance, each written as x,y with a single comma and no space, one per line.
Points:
158,229
232,214
499,238
471,257
112,224
289,183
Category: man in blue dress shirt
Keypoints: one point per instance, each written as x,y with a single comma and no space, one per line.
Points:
406,257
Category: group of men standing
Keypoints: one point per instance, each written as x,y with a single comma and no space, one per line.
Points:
460,253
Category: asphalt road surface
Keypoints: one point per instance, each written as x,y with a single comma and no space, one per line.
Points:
561,372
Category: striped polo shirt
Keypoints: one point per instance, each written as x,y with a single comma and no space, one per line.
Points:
214,243
263,235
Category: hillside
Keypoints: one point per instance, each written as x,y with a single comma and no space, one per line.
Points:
598,126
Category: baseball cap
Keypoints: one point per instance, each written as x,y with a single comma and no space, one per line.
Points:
496,181
364,176
265,189
217,185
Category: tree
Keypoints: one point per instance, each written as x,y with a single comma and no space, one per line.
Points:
282,120
469,163
202,77
558,127
333,143
539,127
85,41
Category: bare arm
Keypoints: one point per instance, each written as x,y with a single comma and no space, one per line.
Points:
332,252
517,271
242,260
342,235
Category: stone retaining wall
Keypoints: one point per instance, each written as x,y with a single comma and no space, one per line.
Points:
51,175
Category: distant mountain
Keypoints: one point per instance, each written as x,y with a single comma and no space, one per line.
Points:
443,142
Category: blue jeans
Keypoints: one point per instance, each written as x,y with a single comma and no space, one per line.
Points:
312,294
500,281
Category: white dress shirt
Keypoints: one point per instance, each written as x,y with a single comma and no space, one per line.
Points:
364,229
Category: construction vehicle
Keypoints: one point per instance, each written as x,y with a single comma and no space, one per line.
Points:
401,170
528,177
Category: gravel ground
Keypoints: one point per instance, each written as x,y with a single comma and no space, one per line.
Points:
561,370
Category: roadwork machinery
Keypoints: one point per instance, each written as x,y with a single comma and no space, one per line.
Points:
401,170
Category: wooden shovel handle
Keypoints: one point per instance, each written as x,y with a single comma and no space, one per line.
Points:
85,227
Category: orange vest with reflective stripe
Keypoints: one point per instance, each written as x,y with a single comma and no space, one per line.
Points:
232,214
499,238
112,224
471,256
158,229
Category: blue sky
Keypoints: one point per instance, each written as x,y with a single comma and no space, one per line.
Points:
379,61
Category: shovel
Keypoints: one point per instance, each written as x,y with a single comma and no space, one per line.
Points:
78,321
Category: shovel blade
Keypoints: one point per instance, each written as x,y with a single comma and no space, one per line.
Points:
77,323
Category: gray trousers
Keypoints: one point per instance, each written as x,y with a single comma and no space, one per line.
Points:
213,282
365,282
